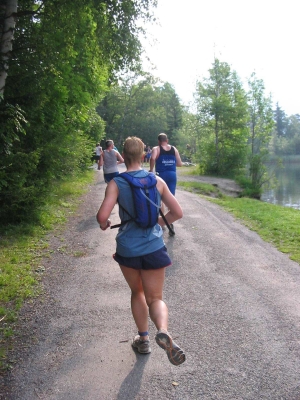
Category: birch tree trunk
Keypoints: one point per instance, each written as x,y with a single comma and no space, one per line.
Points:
8,12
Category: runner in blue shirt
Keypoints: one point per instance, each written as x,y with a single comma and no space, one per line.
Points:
142,255
165,158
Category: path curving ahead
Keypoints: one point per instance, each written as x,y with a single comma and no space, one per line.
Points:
234,305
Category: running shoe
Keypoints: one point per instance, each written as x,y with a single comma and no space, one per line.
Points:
142,346
175,354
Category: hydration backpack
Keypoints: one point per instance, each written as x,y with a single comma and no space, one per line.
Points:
145,200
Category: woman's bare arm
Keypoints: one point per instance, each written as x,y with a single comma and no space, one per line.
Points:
110,199
178,158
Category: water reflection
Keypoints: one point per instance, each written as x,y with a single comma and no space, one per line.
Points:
288,191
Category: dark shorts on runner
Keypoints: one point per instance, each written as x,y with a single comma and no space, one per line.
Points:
156,260
109,177
97,158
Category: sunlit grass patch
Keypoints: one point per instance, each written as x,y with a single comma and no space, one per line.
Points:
205,189
275,224
191,170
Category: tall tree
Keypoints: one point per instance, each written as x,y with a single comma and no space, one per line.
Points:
293,134
8,12
293,126
170,102
280,121
261,124
222,113
189,138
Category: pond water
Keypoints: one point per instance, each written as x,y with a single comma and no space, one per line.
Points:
287,193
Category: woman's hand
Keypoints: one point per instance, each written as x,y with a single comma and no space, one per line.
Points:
108,224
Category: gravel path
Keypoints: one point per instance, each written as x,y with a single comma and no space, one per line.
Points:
234,307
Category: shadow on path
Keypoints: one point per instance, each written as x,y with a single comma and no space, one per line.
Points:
131,385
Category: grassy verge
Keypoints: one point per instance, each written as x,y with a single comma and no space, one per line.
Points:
200,188
191,170
275,224
22,247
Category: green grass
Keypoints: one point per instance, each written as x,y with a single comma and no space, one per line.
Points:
191,170
200,188
22,248
275,224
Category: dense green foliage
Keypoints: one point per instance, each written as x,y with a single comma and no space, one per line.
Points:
65,54
141,108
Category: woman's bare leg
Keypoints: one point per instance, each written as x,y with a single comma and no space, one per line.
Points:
139,306
153,283
146,288
146,291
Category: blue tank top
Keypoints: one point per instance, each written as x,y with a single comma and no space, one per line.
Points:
133,241
166,160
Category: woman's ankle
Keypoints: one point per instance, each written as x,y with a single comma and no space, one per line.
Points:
143,335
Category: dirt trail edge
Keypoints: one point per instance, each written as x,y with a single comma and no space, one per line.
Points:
234,304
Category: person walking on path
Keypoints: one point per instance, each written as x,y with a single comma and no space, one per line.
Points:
141,254
98,155
111,159
148,154
165,158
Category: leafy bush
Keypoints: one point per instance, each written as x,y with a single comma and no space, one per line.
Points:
249,190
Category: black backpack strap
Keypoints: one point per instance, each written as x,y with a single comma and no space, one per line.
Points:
124,222
166,222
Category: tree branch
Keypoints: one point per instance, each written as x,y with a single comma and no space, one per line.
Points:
29,12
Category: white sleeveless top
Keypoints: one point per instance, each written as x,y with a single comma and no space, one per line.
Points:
110,162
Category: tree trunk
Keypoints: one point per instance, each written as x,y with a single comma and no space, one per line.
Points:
8,11
217,145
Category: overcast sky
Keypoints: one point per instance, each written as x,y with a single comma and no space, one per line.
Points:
259,36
